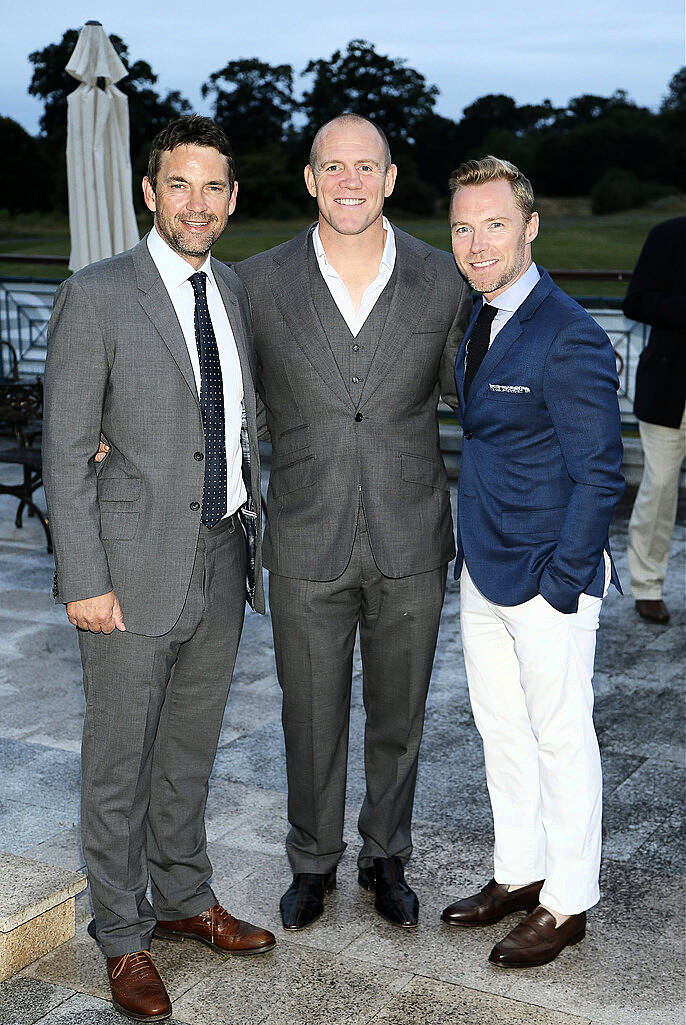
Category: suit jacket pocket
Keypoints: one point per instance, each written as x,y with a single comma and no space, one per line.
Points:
119,489
423,471
118,524
543,524
293,475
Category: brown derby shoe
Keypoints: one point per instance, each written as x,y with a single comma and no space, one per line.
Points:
219,930
491,904
137,989
652,609
536,941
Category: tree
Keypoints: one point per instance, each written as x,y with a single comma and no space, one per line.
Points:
253,102
675,100
365,82
148,111
437,152
24,170
672,119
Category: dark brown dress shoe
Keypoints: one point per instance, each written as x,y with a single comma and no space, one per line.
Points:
652,609
536,941
395,900
303,901
137,989
491,904
219,930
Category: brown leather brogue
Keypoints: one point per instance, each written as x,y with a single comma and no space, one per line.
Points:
491,904
219,930
137,989
536,940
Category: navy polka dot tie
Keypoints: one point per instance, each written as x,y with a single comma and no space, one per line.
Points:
211,406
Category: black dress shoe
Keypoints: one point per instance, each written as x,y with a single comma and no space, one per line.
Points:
491,904
652,609
303,901
395,901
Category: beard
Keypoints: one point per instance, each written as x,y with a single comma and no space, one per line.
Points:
507,275
186,244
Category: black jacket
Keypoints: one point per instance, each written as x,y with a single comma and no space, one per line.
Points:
657,296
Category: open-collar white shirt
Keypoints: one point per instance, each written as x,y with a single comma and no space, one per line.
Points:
175,273
509,301
340,294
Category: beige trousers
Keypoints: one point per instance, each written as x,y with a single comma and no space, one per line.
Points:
654,512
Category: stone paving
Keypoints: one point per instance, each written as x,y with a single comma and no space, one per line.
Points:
352,968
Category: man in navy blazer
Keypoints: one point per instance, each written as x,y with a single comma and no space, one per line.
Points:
536,391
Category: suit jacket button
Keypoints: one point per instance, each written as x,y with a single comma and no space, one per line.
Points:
195,506
468,435
358,417
198,456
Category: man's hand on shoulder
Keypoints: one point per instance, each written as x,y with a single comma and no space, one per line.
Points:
100,614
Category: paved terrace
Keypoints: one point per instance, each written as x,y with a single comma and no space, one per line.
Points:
351,968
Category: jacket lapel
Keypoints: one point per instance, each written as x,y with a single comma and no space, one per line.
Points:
237,326
509,334
154,299
290,286
414,280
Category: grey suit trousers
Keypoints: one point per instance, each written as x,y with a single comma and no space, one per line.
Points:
154,708
315,624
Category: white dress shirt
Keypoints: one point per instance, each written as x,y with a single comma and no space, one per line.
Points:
340,294
509,301
175,273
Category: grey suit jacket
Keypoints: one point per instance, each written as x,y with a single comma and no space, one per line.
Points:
328,450
118,365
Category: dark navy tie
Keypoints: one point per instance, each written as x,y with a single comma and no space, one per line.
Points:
478,343
211,406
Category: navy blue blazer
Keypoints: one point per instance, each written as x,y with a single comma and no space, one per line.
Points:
541,455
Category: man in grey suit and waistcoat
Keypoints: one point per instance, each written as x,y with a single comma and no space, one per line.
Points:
352,322
156,548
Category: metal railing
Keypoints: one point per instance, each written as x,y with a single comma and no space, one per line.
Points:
26,304
25,308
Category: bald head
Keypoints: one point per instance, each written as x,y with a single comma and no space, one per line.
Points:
343,121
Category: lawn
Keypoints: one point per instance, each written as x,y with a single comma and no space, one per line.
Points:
566,241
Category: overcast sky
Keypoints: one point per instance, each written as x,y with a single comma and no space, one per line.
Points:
531,51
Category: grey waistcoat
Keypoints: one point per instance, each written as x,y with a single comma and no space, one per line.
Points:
352,354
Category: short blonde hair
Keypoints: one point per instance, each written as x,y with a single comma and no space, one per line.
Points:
493,169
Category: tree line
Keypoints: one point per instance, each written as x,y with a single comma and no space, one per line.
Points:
620,153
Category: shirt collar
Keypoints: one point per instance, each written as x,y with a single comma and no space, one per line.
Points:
174,270
513,297
387,257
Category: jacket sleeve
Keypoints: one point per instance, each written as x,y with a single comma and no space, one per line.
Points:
580,390
649,298
76,376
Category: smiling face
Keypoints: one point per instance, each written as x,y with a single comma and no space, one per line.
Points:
350,180
490,239
192,201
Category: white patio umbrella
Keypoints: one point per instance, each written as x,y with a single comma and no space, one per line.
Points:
101,217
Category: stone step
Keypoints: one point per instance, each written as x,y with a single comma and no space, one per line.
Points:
36,910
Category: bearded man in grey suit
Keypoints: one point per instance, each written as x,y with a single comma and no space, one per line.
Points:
352,321
155,549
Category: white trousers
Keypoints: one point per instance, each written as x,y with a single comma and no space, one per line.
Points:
529,671
654,512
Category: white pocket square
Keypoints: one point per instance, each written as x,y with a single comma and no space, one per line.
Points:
514,389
